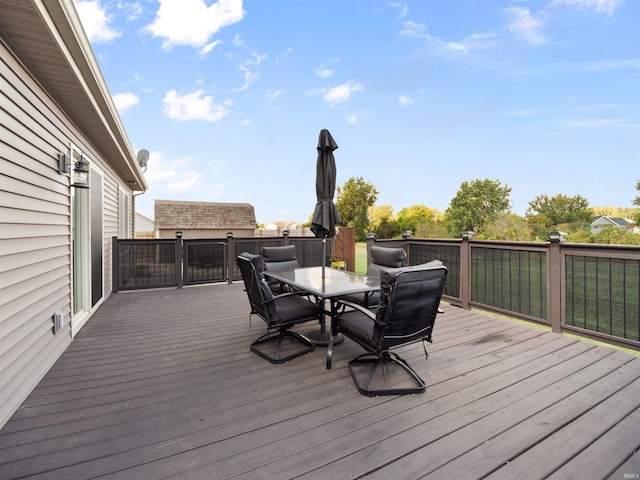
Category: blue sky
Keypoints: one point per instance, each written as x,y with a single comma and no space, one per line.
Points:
420,95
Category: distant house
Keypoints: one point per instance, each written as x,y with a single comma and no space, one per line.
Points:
203,219
283,225
602,221
55,245
145,227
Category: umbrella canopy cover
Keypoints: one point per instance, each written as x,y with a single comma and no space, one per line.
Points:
325,215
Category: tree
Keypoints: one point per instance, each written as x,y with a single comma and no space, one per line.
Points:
616,235
354,199
435,228
559,209
382,221
636,202
507,226
409,217
477,202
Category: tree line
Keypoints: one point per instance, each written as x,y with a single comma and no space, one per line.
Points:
483,206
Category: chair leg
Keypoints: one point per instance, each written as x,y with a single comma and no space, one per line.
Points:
378,363
278,338
330,350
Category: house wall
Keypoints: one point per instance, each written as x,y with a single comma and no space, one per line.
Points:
35,230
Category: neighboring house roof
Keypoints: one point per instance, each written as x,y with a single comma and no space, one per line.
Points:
50,39
173,214
617,221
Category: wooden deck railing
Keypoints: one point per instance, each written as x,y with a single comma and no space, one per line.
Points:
156,263
593,290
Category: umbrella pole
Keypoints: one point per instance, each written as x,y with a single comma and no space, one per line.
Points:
324,254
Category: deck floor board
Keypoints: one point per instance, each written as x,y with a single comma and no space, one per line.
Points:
161,384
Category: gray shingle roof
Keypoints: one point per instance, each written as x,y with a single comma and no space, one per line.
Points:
203,215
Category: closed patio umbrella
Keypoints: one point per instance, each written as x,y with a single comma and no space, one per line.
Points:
325,215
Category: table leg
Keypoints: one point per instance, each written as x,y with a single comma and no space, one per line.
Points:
320,337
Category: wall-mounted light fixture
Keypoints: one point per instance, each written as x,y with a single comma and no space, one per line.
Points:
63,163
81,173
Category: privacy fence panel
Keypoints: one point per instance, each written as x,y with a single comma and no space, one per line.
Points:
204,261
510,279
603,295
448,254
143,264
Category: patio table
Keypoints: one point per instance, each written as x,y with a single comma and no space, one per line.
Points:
328,286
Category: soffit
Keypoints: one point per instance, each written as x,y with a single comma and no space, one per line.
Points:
49,40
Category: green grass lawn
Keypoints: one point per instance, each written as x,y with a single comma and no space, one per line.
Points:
361,258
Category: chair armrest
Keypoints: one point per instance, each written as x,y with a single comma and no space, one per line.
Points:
355,306
298,293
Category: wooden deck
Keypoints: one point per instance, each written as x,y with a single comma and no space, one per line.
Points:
161,384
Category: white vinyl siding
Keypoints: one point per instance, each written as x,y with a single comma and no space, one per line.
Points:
34,235
35,230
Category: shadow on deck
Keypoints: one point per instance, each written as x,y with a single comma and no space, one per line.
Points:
161,384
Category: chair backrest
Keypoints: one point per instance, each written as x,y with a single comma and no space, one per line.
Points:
251,267
383,258
409,300
278,259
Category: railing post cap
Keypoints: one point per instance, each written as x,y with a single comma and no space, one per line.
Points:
556,237
467,235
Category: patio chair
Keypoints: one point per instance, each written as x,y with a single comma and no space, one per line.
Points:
408,306
280,312
279,259
381,258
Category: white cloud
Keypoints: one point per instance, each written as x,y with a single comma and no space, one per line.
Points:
95,21
323,72
173,176
249,67
124,101
609,65
341,93
402,7
193,106
405,100
601,6
355,117
238,41
273,94
595,123
192,22
132,10
472,43
208,47
525,26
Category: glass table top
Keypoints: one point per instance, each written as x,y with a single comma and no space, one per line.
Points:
332,283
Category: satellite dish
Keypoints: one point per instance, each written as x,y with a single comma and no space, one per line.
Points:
143,159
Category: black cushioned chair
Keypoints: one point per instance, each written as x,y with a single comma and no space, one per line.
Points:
409,300
280,312
279,259
380,258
